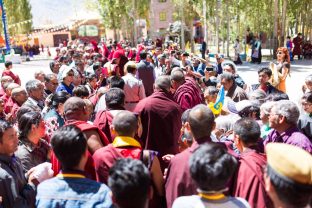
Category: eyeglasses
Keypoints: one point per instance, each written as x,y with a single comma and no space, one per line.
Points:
306,104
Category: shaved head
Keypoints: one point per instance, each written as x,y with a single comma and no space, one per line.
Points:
177,75
201,120
163,83
74,108
125,123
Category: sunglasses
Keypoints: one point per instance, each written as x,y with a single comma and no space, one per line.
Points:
70,74
54,83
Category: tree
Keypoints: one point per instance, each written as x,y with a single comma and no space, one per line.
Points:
18,11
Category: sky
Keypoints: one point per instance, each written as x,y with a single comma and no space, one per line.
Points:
56,12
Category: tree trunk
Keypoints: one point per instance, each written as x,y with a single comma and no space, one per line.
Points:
182,29
275,32
218,25
228,34
283,22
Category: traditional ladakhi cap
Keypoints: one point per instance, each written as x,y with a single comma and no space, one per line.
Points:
290,162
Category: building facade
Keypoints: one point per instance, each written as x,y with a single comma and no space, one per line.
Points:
160,17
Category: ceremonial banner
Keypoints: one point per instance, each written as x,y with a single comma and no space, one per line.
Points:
217,106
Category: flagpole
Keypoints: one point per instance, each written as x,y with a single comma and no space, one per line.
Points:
5,27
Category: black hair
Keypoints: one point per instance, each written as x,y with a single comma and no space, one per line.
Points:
115,98
90,77
232,66
185,116
96,66
69,144
81,91
22,110
130,68
143,55
290,192
26,121
58,98
265,70
4,125
115,81
248,130
130,182
48,77
52,64
250,112
211,167
308,97
277,96
63,58
288,37
8,63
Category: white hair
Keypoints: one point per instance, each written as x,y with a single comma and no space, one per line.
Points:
266,107
288,109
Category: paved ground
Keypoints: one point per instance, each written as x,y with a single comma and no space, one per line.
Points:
299,70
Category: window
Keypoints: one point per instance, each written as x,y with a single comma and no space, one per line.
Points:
162,16
88,30
162,1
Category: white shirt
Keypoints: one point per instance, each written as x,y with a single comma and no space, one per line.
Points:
134,91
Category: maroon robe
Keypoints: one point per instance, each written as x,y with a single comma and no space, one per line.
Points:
1,92
8,105
179,181
9,73
89,168
103,120
161,120
297,41
104,158
249,183
188,94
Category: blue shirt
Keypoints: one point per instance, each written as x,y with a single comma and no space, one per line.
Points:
72,192
64,87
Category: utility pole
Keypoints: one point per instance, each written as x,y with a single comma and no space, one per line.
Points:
5,27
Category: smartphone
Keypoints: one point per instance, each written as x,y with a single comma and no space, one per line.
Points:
209,68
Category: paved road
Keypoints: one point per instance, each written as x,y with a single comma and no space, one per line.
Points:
299,70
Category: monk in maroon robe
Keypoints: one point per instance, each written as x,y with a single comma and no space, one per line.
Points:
75,114
161,120
114,100
125,125
179,181
249,181
187,94
297,41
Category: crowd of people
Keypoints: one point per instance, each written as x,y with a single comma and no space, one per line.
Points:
115,126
